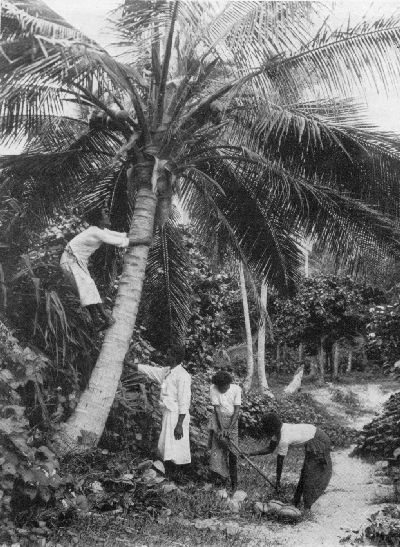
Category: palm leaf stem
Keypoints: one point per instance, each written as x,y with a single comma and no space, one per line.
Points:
139,109
165,69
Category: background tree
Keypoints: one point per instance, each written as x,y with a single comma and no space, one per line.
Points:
327,310
212,108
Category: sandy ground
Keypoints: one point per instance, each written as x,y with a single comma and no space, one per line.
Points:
339,515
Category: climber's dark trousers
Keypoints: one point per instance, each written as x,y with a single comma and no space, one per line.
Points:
101,318
95,315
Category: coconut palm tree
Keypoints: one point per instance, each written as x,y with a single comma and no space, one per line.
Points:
243,113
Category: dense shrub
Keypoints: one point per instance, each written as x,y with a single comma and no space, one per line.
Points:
29,474
384,526
382,436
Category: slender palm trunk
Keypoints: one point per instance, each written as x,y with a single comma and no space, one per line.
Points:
335,360
313,366
349,361
85,426
249,340
364,356
322,360
262,378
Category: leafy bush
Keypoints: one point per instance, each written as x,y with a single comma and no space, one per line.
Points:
382,436
384,335
29,470
384,527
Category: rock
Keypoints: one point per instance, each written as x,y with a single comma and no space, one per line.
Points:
239,495
222,493
207,487
234,505
381,464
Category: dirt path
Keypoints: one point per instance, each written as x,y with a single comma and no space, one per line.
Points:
349,499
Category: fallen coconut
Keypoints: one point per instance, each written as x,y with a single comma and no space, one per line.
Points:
274,506
289,511
239,495
234,505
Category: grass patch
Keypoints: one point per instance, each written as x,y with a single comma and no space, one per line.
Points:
141,532
192,504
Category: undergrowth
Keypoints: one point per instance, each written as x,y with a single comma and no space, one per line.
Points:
346,398
159,519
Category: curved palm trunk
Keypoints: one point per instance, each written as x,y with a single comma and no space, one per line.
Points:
85,427
249,340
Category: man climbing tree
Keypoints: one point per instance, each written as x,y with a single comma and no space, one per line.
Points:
74,263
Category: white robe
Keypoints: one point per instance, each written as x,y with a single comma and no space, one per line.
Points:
174,400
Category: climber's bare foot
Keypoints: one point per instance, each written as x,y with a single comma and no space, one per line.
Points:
107,323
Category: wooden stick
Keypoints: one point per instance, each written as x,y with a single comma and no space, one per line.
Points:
254,466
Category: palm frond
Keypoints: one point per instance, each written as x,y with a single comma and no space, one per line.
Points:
147,23
39,61
341,149
250,31
50,179
167,292
346,59
264,242
345,228
35,17
41,132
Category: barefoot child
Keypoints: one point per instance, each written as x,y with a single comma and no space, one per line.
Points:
226,399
